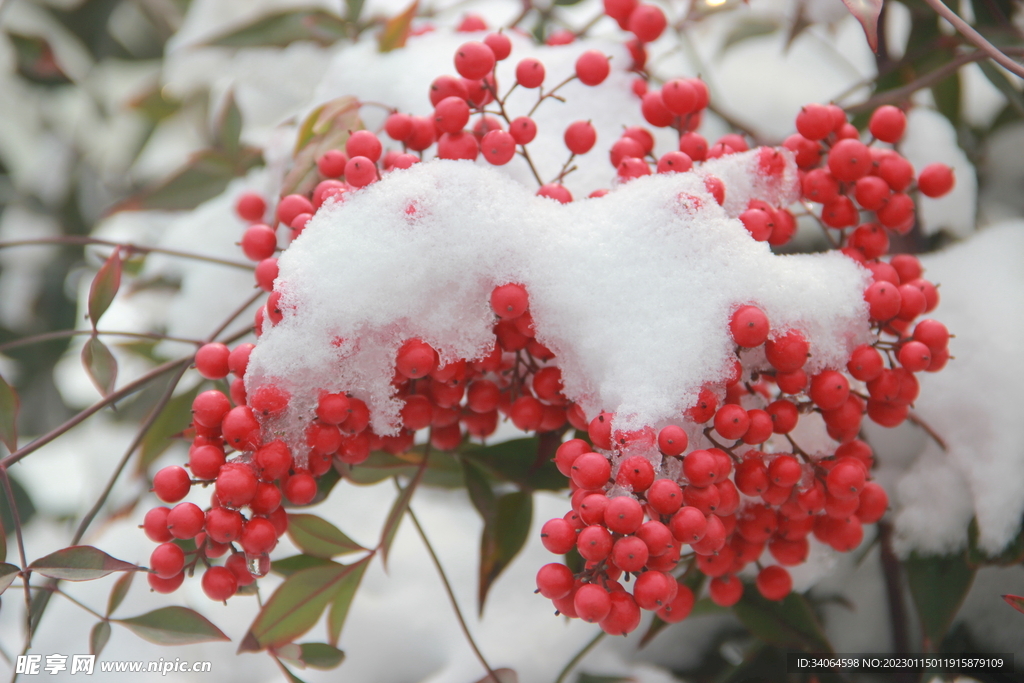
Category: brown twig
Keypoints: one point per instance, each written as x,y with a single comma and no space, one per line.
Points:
82,240
26,573
975,38
916,419
64,334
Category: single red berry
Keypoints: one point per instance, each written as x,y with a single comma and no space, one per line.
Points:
269,399
555,191
591,471
212,360
223,525
555,581
171,484
652,106
680,606
474,60
258,536
241,429
592,67
332,408
647,22
236,485
451,115
814,122
300,489
636,472
665,496
749,326
219,583
399,126
623,515
530,73
250,207
258,242
594,543
291,206
442,87
155,525
935,180
849,160
500,45
580,137
415,359
774,582
725,591
274,460
523,130
592,603
787,353
185,520
498,147
829,389
888,123
672,440
331,163
167,560
784,416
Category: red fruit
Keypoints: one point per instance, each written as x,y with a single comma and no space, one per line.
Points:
291,206
331,164
332,408
749,326
752,477
558,536
873,503
787,353
915,356
653,590
680,607
774,582
171,484
932,334
250,207
185,520
530,73
155,525
167,560
623,515
591,471
526,413
416,359
785,470
814,122
592,603
498,147
236,485
657,536
580,137
269,399
884,300
630,554
935,180
594,543
212,360
888,123
624,615
300,489
807,152
732,421
223,525
829,389
555,581
592,67
700,467
636,472
258,242
672,440
652,106
688,525
665,496
258,536
846,479
509,301
849,160
499,43
784,416
474,60
241,429
555,191
896,213
451,115
647,22
896,171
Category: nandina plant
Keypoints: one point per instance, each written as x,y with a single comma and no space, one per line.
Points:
696,390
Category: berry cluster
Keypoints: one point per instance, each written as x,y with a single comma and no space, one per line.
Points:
727,478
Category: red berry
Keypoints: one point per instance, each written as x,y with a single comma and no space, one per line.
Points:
592,67
725,591
680,97
594,543
171,484
674,162
623,515
167,560
774,582
558,536
415,359
223,525
787,353
165,585
451,115
647,22
474,60
680,607
652,106
829,390
212,360
672,440
331,163
915,356
814,122
555,581
269,399
241,429
236,485
185,520
849,160
219,583
529,73
500,45
630,554
653,590
688,525
887,123
694,146
258,536
523,130
250,207
498,147
555,191
592,603
291,206
935,180
591,471
749,326
300,489
665,496
580,137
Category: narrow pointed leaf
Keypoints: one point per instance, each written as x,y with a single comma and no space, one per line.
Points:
283,28
173,419
326,128
120,589
1015,601
501,541
289,565
79,563
998,78
396,30
347,588
228,128
394,520
98,637
321,655
866,12
100,365
479,489
354,9
318,537
8,573
788,624
9,406
104,286
173,626
294,607
938,586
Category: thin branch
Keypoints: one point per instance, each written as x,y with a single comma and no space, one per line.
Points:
976,38
451,597
579,656
902,93
81,240
916,419
26,573
58,591
64,334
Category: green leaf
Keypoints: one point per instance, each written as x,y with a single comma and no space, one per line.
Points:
104,286
79,563
98,637
294,607
173,419
502,540
747,29
996,76
394,519
396,30
343,599
100,365
26,508
1012,554
866,12
283,28
526,462
9,406
203,177
1014,601
120,589
938,586
289,565
8,573
227,131
947,98
321,656
318,537
787,624
173,626
479,490
354,9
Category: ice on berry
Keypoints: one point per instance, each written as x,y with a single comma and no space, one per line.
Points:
632,291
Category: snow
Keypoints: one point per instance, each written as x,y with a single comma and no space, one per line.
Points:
632,292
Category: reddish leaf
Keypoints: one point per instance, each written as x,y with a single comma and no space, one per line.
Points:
295,606
104,286
100,364
173,626
866,12
118,592
99,636
343,599
79,563
1015,601
396,30
503,538
8,573
9,405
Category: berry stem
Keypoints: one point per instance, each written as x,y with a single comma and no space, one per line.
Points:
26,574
824,228
916,419
127,246
64,334
579,657
975,38
53,589
493,678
